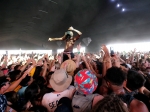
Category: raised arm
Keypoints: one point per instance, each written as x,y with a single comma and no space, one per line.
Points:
77,31
78,55
45,70
106,60
16,83
24,66
4,65
53,39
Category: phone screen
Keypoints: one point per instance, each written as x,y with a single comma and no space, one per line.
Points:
112,53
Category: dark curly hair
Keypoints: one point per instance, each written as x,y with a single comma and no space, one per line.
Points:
135,80
116,76
111,103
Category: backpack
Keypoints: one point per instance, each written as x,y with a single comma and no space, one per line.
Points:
82,103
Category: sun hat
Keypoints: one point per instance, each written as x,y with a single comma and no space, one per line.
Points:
60,80
71,66
85,82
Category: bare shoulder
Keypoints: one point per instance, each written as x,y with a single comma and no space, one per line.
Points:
138,106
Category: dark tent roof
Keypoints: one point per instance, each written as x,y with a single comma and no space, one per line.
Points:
28,24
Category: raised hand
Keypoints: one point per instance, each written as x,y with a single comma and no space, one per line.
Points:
50,39
71,28
28,61
145,56
45,64
116,61
45,56
53,68
33,62
65,66
79,46
105,49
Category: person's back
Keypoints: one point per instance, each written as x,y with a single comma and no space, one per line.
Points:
69,43
135,81
85,83
60,82
83,103
137,106
50,100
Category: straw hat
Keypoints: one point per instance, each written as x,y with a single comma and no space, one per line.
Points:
60,80
71,66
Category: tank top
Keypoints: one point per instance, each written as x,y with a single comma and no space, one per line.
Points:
126,98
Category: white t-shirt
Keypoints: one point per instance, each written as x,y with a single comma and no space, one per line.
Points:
50,100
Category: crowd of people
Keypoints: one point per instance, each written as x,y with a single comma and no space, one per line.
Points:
79,82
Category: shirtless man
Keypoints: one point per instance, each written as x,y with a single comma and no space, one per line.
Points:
70,40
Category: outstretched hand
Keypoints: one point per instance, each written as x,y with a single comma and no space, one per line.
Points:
116,61
71,28
79,46
50,39
105,49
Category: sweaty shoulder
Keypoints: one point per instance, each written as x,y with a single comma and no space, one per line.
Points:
138,106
